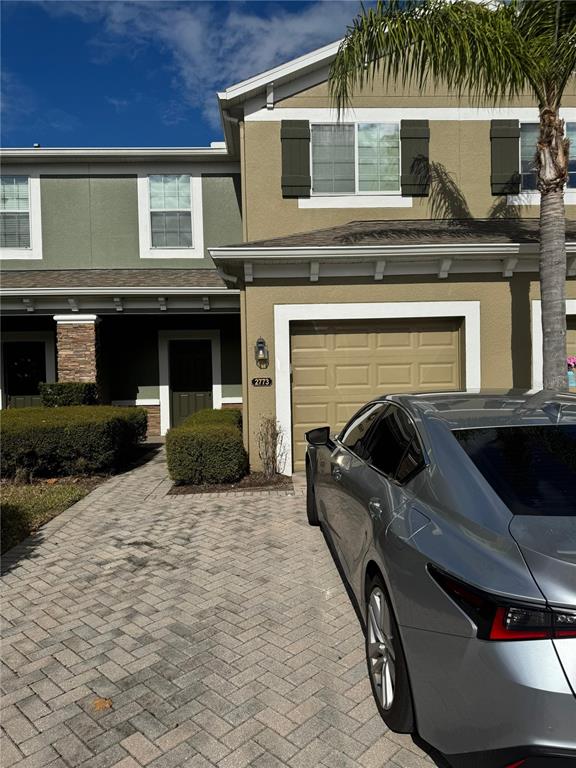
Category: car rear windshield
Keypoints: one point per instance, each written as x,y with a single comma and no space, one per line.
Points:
532,468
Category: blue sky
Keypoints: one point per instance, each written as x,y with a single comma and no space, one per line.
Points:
131,73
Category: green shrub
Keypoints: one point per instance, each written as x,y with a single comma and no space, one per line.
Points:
71,440
63,393
228,416
206,453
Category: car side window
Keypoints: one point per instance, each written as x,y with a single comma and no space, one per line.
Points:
393,447
355,433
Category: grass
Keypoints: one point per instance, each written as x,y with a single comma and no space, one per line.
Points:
26,507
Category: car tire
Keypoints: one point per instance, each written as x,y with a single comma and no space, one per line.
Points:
311,509
387,669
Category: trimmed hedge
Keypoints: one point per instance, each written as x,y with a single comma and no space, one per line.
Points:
63,393
207,448
229,416
72,440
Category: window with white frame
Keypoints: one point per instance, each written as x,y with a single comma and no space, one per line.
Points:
14,212
170,211
355,158
528,141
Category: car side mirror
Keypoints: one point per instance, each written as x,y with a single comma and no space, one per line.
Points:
319,436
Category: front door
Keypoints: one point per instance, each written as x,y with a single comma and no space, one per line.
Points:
24,368
190,378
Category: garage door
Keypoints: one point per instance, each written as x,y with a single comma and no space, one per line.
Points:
339,366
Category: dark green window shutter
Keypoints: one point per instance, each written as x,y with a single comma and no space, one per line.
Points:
295,137
505,157
414,146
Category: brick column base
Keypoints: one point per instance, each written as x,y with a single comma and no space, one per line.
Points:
77,347
153,420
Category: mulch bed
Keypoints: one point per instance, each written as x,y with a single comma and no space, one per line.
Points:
255,481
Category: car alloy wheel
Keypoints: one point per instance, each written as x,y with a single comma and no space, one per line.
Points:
387,667
380,649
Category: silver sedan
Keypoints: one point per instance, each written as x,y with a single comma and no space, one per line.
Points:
453,518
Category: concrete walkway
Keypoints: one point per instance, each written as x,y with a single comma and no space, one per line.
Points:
142,629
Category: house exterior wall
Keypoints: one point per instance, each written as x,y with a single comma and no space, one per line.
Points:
91,221
459,153
505,312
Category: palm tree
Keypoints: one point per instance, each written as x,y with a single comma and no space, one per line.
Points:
491,50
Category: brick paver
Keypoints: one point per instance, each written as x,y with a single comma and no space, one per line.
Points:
142,629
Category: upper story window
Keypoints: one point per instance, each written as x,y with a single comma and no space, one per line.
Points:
170,221
358,158
20,215
14,212
528,140
170,211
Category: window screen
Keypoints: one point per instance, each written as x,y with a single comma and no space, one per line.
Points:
378,157
14,212
333,159
170,211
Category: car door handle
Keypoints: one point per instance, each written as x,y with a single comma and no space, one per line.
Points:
375,509
336,474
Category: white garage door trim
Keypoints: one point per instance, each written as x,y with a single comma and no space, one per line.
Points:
537,359
284,314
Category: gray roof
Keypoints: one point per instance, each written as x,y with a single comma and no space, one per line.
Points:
110,278
415,232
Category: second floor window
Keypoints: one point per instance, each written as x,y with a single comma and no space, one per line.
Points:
14,212
362,158
528,141
170,211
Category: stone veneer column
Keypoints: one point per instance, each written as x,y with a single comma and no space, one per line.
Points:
77,347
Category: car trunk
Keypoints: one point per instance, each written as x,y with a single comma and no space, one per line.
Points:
548,545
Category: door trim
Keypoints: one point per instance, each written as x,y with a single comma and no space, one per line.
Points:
537,354
164,339
49,351
284,314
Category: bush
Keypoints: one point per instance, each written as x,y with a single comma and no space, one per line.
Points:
229,416
63,393
207,448
72,440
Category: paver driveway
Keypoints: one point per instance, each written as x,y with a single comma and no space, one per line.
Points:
149,630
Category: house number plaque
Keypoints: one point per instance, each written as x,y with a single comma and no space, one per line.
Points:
263,381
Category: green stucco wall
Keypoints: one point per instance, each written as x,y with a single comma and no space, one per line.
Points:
91,222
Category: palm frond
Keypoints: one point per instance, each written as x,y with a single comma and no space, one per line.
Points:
475,48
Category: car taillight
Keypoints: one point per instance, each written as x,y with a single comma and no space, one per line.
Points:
497,619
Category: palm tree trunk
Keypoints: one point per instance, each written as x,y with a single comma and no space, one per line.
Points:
553,288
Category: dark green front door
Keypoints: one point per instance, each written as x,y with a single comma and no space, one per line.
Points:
190,378
24,369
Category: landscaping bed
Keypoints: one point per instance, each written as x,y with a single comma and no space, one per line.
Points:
25,507
255,481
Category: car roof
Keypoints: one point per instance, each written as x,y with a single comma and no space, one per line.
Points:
466,410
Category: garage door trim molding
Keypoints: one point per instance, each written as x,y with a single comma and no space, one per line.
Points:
537,361
284,314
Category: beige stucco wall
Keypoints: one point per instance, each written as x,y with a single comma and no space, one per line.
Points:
459,152
505,326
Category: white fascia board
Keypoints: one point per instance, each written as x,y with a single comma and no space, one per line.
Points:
97,154
260,81
372,251
118,291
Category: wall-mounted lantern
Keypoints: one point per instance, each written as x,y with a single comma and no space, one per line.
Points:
261,353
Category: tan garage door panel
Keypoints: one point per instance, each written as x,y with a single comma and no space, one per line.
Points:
337,367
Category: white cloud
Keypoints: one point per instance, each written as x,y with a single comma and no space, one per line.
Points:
211,45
